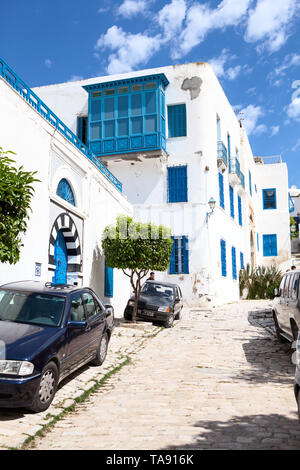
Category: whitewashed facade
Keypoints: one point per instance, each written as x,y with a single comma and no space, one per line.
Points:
40,147
178,121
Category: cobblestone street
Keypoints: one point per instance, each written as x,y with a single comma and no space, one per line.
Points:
218,379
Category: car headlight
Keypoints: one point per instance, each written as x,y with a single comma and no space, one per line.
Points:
131,303
16,367
164,309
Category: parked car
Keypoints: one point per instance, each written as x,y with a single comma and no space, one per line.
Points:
286,307
159,302
47,332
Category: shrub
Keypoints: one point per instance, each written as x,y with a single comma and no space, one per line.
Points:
260,282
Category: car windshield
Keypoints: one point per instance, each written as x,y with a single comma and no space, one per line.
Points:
31,308
150,288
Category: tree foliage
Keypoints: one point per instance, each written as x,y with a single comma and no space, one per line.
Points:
136,248
260,281
16,192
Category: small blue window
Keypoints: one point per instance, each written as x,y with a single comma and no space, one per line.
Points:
177,120
177,184
242,260
270,245
240,211
233,257
231,195
223,258
250,183
64,191
269,198
108,281
221,190
179,262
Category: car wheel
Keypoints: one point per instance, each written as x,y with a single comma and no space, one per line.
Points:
295,330
169,322
127,316
178,316
46,389
278,332
101,351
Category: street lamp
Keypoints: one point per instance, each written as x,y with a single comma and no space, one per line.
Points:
212,205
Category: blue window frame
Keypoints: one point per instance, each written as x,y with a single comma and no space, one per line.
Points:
270,245
240,211
250,183
221,190
64,191
108,281
233,258
223,258
177,184
231,196
269,198
242,260
177,120
179,261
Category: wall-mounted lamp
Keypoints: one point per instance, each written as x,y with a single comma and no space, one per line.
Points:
212,205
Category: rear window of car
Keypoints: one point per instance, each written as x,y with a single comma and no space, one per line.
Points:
31,308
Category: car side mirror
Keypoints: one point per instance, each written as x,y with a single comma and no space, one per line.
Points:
276,292
77,325
109,309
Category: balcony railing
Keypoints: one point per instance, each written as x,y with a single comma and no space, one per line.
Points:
242,179
222,152
235,170
25,92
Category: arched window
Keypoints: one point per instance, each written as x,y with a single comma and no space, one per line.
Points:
64,191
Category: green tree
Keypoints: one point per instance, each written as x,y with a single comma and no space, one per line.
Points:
16,191
136,248
294,234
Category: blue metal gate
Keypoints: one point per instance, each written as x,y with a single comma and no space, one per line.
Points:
60,259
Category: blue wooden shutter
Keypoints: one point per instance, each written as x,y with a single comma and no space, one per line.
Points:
221,190
242,260
270,245
177,120
231,195
172,259
240,210
223,258
185,249
250,183
233,257
109,281
177,184
269,198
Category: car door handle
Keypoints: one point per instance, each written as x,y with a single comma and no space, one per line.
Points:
88,328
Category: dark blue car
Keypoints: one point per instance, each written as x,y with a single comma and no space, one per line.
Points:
46,332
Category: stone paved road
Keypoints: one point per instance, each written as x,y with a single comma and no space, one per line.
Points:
217,380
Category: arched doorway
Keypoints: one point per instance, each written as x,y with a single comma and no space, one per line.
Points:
60,259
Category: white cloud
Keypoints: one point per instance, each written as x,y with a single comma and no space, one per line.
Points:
129,50
274,130
296,146
260,129
75,78
293,109
48,63
201,20
250,115
130,8
219,63
171,16
270,23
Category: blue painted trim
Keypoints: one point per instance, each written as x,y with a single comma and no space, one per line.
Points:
231,197
177,126
177,184
233,258
223,258
179,259
108,281
35,102
240,211
242,260
264,202
64,191
291,204
221,190
270,245
128,81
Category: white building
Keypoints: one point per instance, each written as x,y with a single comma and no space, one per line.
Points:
171,137
73,202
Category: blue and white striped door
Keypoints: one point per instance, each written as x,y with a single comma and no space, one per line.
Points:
60,259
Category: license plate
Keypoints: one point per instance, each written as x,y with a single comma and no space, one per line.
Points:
148,314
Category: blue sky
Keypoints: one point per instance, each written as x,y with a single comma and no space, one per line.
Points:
253,45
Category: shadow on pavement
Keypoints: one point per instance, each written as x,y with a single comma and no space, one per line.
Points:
254,432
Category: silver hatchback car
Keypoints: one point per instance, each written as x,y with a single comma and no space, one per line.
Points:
286,307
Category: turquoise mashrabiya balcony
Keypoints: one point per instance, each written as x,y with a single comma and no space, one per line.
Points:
127,116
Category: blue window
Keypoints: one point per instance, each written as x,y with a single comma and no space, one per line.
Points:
233,257
269,198
177,120
270,245
64,191
82,123
257,241
231,196
223,258
250,183
240,210
221,190
179,262
242,260
177,184
108,281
